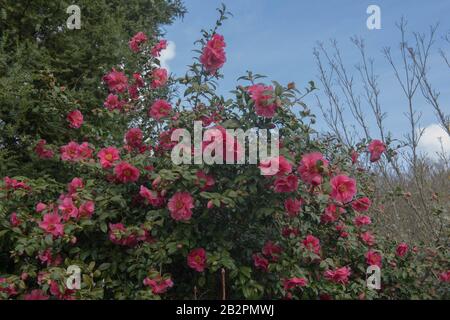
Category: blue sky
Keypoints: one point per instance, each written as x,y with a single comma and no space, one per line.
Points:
276,38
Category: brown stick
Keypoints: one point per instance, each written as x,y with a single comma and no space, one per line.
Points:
223,284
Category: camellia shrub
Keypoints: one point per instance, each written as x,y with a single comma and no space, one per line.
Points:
139,226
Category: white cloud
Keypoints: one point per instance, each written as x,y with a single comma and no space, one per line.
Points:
167,55
431,140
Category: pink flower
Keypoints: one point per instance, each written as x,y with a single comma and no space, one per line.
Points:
260,262
445,276
373,258
112,102
262,95
343,188
213,56
271,250
75,185
362,220
125,172
134,137
159,78
159,109
36,294
86,209
196,259
68,209
42,151
15,184
291,283
331,213
204,182
158,284
51,224
275,166
116,231
8,288
286,184
69,152
293,206
288,231
376,149
180,206
367,238
84,151
75,118
46,258
152,197
361,204
40,207
157,48
136,41
312,244
108,156
311,166
117,81
354,156
339,275
402,249
14,220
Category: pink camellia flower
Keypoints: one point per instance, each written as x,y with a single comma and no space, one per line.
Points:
310,168
293,206
157,48
151,197
362,220
68,209
75,118
158,284
260,262
15,184
213,56
113,102
445,276
361,204
291,283
51,223
261,95
402,249
40,207
275,166
136,41
75,185
46,258
204,181
196,259
125,172
84,151
86,209
36,294
70,152
117,81
312,244
67,294
138,81
14,220
373,258
133,92
108,156
159,78
286,184
42,151
376,149
159,109
368,238
271,250
343,188
331,213
134,137
339,275
180,206
116,230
